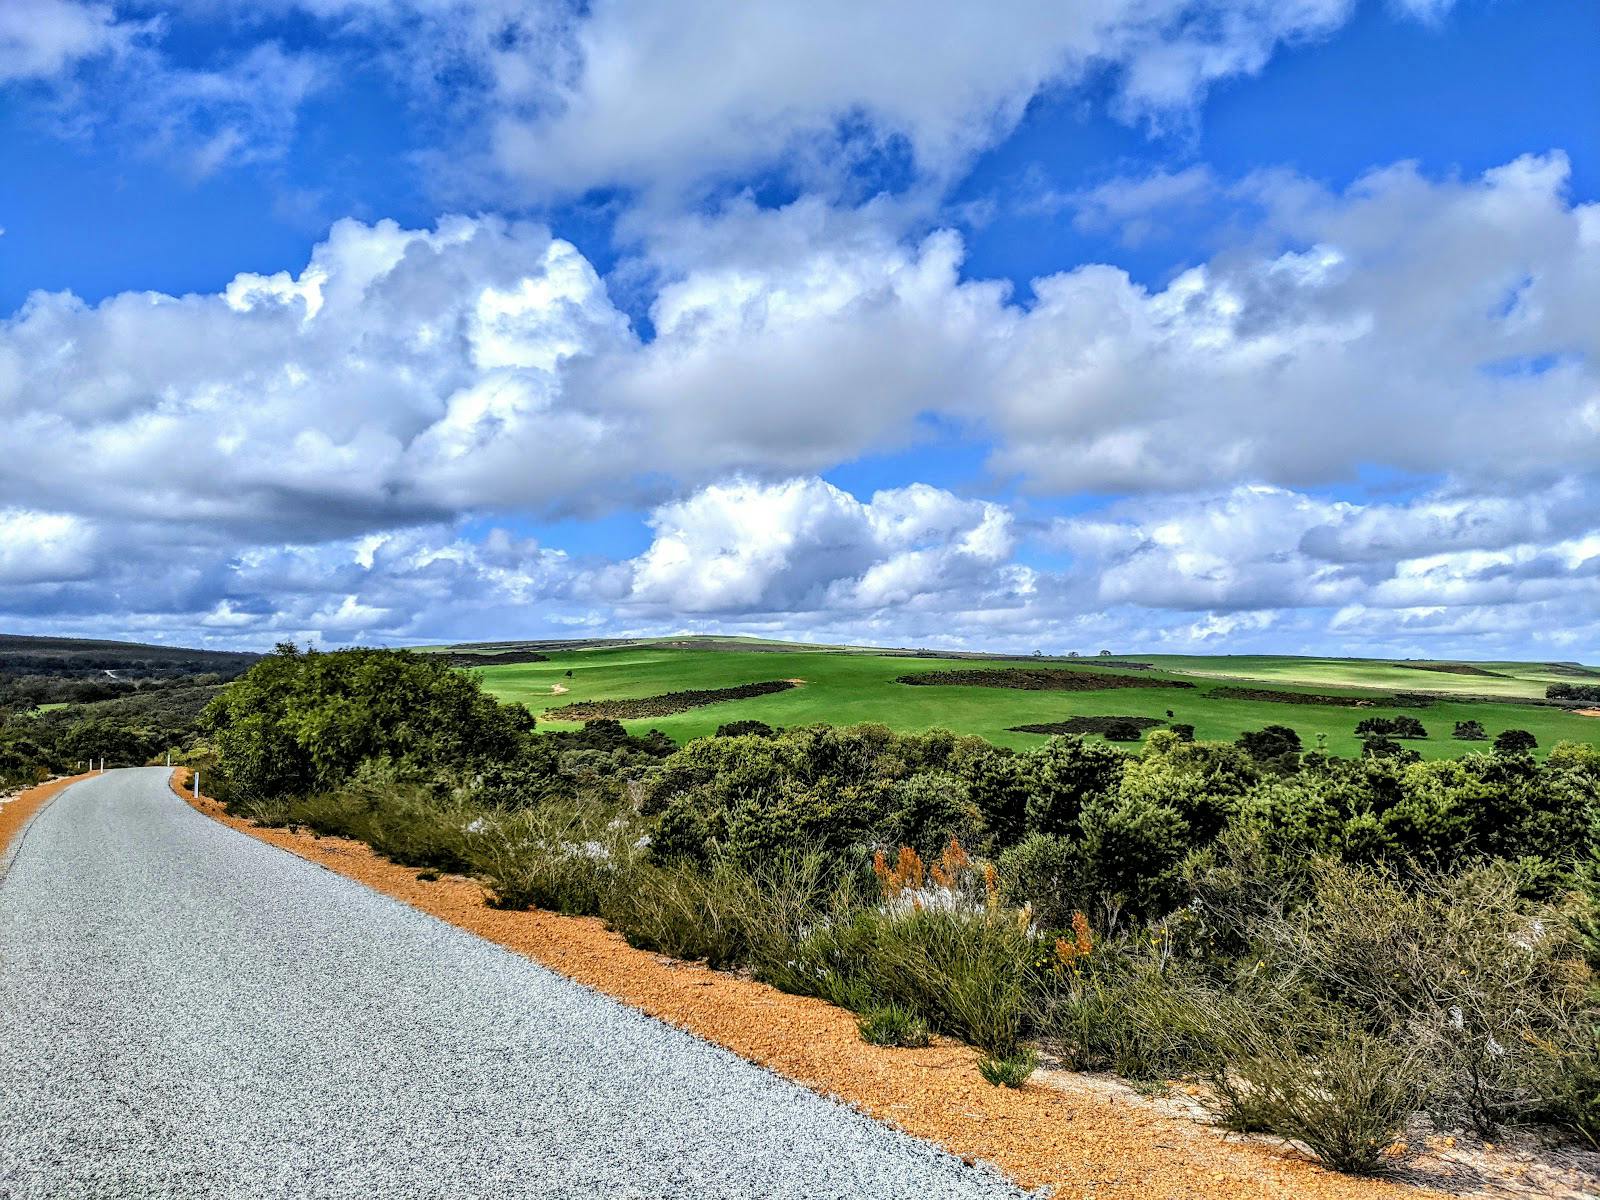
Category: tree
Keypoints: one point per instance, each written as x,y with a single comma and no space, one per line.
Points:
1386,747
1409,727
1105,654
1515,741
299,721
1269,744
1069,772
1470,731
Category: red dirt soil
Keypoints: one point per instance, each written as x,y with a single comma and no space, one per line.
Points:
16,812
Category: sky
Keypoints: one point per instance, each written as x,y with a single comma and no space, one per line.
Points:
1212,326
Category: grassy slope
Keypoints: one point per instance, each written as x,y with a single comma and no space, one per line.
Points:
843,688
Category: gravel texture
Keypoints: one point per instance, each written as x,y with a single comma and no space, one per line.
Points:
189,1012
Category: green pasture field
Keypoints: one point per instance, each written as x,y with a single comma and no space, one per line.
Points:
844,687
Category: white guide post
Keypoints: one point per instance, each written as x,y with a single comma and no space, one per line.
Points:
197,785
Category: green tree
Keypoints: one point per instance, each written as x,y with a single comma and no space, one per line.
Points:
303,721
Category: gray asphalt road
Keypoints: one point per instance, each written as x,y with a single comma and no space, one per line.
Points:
185,1011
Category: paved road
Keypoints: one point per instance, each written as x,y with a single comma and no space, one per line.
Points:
185,1011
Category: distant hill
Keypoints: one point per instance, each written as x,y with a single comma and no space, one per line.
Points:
52,670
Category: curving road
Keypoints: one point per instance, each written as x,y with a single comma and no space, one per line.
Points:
185,1011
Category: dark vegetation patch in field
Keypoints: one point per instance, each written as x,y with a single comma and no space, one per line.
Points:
500,659
664,705
1038,680
1272,696
1573,670
1098,725
1452,669
1583,693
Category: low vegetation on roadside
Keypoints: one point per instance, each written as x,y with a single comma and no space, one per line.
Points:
1326,947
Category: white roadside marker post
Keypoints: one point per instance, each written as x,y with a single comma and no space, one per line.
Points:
197,785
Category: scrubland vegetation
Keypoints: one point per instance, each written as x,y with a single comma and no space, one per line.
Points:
1328,947
65,701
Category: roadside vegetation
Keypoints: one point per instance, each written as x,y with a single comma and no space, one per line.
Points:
64,702
1329,949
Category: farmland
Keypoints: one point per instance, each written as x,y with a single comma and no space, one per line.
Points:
843,686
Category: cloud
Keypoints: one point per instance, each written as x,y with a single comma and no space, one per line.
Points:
633,105
40,39
566,98
804,545
44,548
798,557
1424,325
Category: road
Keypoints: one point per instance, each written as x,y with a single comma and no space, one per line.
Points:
185,1011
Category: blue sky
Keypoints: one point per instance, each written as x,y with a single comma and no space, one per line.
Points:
1219,325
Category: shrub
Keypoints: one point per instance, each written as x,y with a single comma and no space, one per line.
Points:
685,912
300,722
1515,741
746,729
726,915
1315,1076
564,856
1470,731
893,1025
1132,849
1069,773
930,809
1270,743
1046,875
963,962
999,783
1011,1070
1487,986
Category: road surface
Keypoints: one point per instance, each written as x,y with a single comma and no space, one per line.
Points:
185,1011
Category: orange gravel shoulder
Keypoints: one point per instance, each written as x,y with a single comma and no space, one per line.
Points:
16,812
1080,1141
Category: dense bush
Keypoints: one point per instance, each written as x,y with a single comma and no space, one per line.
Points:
1587,693
1515,741
300,722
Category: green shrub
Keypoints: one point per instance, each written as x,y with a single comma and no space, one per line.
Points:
1572,1099
968,971
931,808
893,1025
1010,1071
1132,850
564,856
685,912
1069,773
1046,874
298,722
1318,1078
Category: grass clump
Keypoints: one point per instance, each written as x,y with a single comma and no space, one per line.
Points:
893,1025
1010,1071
